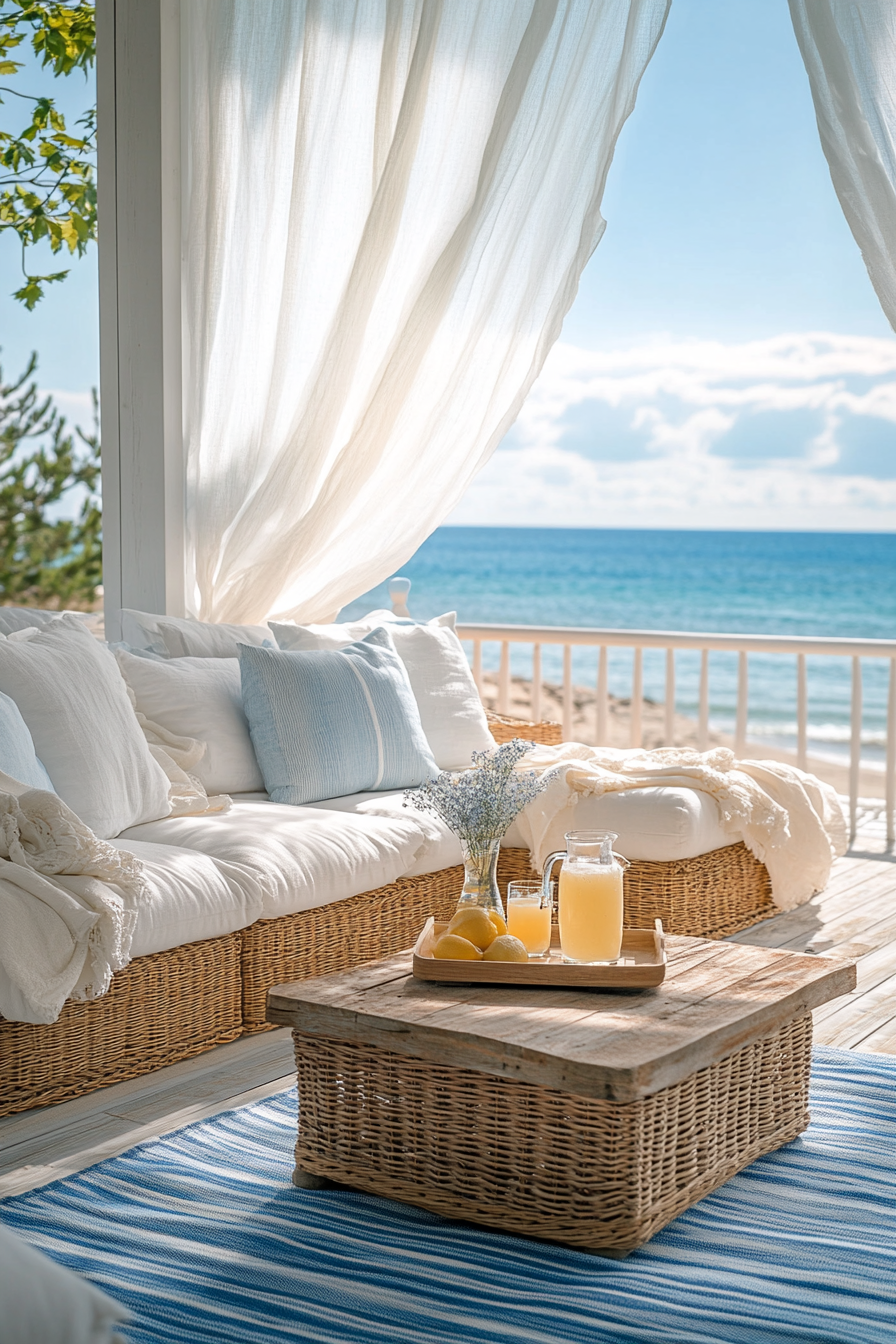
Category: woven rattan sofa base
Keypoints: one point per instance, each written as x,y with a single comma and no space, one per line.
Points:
599,1175
160,1009
340,936
710,896
503,728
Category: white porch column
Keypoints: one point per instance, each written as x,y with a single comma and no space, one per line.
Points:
139,137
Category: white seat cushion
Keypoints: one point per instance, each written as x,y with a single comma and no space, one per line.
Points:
653,823
441,847
303,857
191,896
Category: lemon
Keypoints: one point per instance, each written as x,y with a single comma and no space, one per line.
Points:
506,948
451,947
498,921
473,923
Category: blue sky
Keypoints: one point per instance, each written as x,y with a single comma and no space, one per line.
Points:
64,328
722,220
726,362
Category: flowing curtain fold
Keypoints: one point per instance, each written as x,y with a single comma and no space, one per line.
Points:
849,49
387,208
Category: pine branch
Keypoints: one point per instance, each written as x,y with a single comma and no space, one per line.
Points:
47,560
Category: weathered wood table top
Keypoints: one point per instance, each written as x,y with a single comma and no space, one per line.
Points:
716,998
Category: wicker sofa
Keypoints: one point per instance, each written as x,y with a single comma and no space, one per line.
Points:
201,979
173,1004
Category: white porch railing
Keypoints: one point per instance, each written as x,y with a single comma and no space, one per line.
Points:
743,645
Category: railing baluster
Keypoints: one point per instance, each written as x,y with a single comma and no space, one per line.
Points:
602,698
802,711
567,692
703,733
504,679
743,695
669,737
855,745
801,647
891,756
637,695
536,684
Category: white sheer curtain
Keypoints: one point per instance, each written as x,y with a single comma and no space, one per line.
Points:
387,208
849,47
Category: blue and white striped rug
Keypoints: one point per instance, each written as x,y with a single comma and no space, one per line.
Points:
203,1236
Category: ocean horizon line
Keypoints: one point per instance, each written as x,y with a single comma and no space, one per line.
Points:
671,531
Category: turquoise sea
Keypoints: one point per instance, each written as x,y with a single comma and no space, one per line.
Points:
798,583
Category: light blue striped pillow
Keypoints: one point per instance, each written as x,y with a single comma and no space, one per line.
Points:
328,723
17,755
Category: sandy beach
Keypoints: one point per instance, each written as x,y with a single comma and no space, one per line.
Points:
653,715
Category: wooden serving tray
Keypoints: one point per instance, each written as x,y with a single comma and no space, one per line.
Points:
642,964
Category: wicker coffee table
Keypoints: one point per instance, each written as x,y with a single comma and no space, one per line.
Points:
584,1117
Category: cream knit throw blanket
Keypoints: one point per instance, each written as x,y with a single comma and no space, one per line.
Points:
67,905
791,821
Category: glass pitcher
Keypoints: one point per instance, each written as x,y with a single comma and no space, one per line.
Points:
590,897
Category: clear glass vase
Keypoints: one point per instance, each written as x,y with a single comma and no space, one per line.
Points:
481,876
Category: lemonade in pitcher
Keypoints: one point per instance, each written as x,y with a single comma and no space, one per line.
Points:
590,897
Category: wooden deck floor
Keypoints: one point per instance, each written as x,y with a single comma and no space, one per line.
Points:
855,916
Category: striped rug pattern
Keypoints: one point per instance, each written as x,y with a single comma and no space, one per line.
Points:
203,1237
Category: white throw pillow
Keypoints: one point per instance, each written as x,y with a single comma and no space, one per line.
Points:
45,1303
337,635
24,618
179,637
450,708
199,698
71,695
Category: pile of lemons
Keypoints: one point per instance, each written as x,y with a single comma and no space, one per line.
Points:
475,934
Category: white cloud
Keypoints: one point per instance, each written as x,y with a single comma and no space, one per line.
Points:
684,398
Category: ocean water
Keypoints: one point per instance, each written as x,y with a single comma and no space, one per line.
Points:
823,584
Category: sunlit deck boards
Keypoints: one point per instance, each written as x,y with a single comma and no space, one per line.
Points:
855,916
39,1146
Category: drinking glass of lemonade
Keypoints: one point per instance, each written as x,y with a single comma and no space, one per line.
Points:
590,901
529,906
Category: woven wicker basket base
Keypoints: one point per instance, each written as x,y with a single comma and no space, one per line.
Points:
503,728
599,1175
711,896
339,936
160,1009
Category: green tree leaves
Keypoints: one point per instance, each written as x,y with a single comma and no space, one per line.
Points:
47,175
46,561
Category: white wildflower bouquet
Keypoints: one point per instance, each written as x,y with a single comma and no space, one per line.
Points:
479,805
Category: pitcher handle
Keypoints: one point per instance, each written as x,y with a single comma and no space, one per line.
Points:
547,870
623,863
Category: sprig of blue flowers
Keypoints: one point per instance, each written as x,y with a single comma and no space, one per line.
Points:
480,804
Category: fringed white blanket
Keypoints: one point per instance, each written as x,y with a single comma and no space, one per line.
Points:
67,905
790,821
